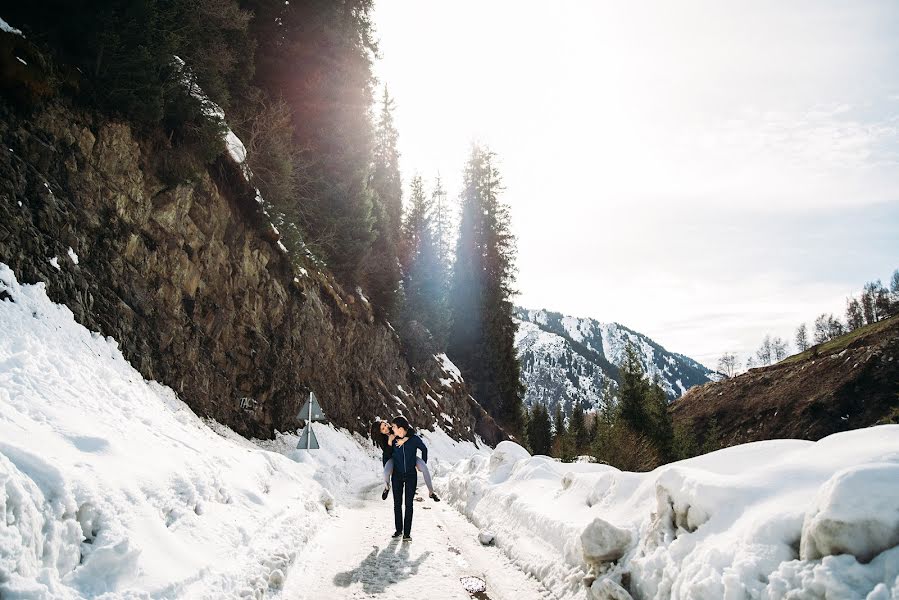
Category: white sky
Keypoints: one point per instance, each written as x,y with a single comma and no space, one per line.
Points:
702,172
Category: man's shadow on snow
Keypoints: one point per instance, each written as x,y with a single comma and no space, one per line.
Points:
382,568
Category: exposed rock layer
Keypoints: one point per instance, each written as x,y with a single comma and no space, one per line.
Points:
192,283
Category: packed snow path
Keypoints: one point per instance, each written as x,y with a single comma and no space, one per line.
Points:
353,556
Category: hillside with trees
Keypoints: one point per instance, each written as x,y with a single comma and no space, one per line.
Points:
848,382
293,81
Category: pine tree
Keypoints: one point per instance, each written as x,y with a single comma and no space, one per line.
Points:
579,433
632,390
482,334
559,429
712,439
382,269
442,224
660,430
318,57
539,431
593,425
425,279
386,173
527,429
684,444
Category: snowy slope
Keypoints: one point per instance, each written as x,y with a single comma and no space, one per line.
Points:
565,359
553,373
109,484
769,520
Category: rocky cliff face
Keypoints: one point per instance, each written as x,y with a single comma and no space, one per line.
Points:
193,284
848,383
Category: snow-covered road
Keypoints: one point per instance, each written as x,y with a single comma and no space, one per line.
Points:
353,556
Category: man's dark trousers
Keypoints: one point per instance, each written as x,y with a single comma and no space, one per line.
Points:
404,483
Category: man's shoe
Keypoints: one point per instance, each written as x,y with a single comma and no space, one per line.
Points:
407,538
397,534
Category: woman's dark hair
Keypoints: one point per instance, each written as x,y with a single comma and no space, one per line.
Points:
377,437
402,422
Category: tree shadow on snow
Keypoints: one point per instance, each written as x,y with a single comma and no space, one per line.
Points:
382,568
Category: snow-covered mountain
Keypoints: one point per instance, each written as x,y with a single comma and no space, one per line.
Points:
565,359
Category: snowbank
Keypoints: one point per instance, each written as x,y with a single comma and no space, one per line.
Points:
777,519
110,484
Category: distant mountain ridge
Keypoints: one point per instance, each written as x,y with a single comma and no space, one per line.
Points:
566,359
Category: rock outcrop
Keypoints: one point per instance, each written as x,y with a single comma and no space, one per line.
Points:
193,283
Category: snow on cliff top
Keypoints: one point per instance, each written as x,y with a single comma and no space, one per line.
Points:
769,520
4,26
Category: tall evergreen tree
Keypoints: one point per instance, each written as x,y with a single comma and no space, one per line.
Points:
559,429
632,390
482,334
318,57
425,277
579,433
382,267
539,430
660,429
442,224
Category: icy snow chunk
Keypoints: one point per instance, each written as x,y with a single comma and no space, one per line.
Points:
855,512
486,537
606,589
235,147
55,262
276,579
4,26
603,542
72,255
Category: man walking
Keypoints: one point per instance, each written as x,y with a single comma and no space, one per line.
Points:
405,476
